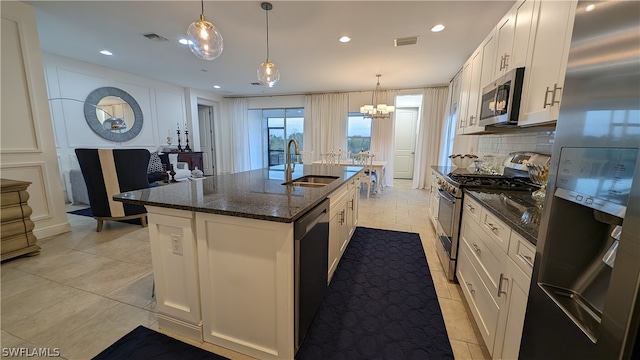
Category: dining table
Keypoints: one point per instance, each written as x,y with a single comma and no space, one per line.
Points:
378,166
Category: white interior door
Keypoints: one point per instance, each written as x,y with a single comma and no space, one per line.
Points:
405,143
205,119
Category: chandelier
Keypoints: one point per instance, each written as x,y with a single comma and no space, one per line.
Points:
376,110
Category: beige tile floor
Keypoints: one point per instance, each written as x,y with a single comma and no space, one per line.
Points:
86,290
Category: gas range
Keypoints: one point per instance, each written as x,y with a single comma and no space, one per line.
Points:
454,183
450,186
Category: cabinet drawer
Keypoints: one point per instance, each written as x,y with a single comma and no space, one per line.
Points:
522,252
472,209
483,307
496,229
489,259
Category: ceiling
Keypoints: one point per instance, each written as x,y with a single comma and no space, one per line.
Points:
303,38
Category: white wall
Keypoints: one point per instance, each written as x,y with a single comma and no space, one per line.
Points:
164,108
27,148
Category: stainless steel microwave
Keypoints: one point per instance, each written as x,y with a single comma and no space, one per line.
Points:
501,100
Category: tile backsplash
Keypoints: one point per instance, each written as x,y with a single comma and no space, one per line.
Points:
503,144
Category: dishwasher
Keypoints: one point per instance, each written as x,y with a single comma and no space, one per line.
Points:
311,248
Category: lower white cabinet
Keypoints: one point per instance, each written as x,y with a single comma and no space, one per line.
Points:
434,200
494,270
343,219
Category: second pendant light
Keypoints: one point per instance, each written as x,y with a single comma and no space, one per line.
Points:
268,74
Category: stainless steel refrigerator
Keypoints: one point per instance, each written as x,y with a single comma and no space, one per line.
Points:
583,301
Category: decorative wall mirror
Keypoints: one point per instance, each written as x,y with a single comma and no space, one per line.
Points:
113,114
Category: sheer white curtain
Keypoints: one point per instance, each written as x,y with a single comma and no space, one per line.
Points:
430,134
240,150
383,134
325,124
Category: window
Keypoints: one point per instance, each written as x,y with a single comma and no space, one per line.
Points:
282,125
358,133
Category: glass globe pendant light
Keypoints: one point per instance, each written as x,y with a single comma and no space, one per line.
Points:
268,74
204,39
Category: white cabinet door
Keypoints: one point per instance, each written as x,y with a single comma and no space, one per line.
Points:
334,243
471,125
504,43
545,70
434,200
521,34
512,38
487,73
465,87
515,311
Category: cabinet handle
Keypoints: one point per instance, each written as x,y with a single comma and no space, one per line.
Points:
471,208
471,120
546,95
342,217
501,62
471,290
506,64
491,226
500,292
476,248
526,259
553,95
350,204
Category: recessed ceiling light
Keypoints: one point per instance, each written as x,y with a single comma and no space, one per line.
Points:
345,39
437,28
184,41
590,7
216,86
106,52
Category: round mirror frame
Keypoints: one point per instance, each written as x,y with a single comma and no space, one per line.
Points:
91,103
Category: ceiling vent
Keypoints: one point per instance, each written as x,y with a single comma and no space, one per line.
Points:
405,41
154,37
255,83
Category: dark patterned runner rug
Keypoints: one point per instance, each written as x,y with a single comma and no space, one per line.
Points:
146,344
381,304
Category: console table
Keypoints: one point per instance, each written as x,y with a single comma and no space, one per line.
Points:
17,227
194,159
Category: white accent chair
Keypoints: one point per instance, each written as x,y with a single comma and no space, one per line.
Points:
181,168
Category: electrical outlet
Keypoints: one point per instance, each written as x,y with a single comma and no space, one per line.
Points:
176,243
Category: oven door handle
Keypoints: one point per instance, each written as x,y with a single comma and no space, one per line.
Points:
446,196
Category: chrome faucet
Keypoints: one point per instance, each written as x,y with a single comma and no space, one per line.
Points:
289,169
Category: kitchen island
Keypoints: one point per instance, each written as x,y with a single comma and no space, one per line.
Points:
223,254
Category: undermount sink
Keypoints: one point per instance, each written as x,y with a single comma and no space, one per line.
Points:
312,181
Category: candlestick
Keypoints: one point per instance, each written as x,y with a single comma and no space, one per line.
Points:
186,137
179,145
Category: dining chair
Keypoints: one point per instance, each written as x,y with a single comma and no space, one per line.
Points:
365,159
330,158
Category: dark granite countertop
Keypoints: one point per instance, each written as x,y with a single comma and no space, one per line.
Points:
256,194
446,170
516,208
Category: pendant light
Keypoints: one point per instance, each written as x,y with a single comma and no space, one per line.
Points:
268,75
203,38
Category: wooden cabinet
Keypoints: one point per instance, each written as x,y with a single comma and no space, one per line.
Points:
194,159
494,271
545,69
17,227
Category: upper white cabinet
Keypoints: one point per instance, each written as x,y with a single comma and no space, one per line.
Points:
470,94
550,39
512,38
